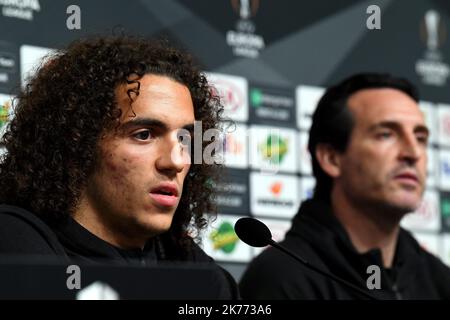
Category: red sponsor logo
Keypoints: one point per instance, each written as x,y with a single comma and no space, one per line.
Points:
230,94
276,188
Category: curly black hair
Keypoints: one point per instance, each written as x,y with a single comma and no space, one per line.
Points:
52,140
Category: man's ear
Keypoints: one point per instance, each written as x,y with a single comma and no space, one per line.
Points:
329,159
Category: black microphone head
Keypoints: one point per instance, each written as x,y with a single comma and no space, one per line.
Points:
253,232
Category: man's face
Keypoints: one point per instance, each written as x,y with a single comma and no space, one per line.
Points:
137,185
384,165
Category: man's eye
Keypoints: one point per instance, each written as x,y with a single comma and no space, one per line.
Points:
384,135
143,135
422,139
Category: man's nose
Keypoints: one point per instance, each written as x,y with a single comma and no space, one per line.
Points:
172,156
411,150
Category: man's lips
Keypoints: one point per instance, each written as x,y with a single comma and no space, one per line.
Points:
165,194
408,177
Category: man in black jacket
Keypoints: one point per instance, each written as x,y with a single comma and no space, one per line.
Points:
96,167
368,145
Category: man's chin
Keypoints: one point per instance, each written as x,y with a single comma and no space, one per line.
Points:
406,196
406,205
153,226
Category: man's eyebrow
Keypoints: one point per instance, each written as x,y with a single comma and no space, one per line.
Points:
384,124
422,129
144,122
395,125
154,123
189,127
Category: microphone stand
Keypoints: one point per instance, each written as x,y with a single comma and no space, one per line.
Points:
324,273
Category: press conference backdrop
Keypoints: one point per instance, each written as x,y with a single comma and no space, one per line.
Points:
270,61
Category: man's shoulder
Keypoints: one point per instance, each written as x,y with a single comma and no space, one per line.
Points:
433,261
426,257
226,283
431,266
13,219
275,275
22,232
197,254
18,214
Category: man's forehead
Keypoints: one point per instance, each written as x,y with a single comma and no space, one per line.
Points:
151,101
384,104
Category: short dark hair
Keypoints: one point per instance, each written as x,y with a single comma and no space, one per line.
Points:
332,121
52,141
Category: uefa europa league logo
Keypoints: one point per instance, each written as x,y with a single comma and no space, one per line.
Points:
432,19
432,68
245,8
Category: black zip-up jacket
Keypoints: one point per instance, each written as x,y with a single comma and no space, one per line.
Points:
24,234
318,237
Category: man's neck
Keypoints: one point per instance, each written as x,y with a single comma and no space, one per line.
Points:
368,228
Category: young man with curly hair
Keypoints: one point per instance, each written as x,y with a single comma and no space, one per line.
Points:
94,169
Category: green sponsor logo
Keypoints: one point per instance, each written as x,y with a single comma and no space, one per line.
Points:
4,114
224,238
445,207
256,97
274,149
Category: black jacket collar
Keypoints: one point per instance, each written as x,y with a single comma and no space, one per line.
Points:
316,224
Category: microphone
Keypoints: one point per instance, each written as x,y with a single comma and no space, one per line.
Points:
256,234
